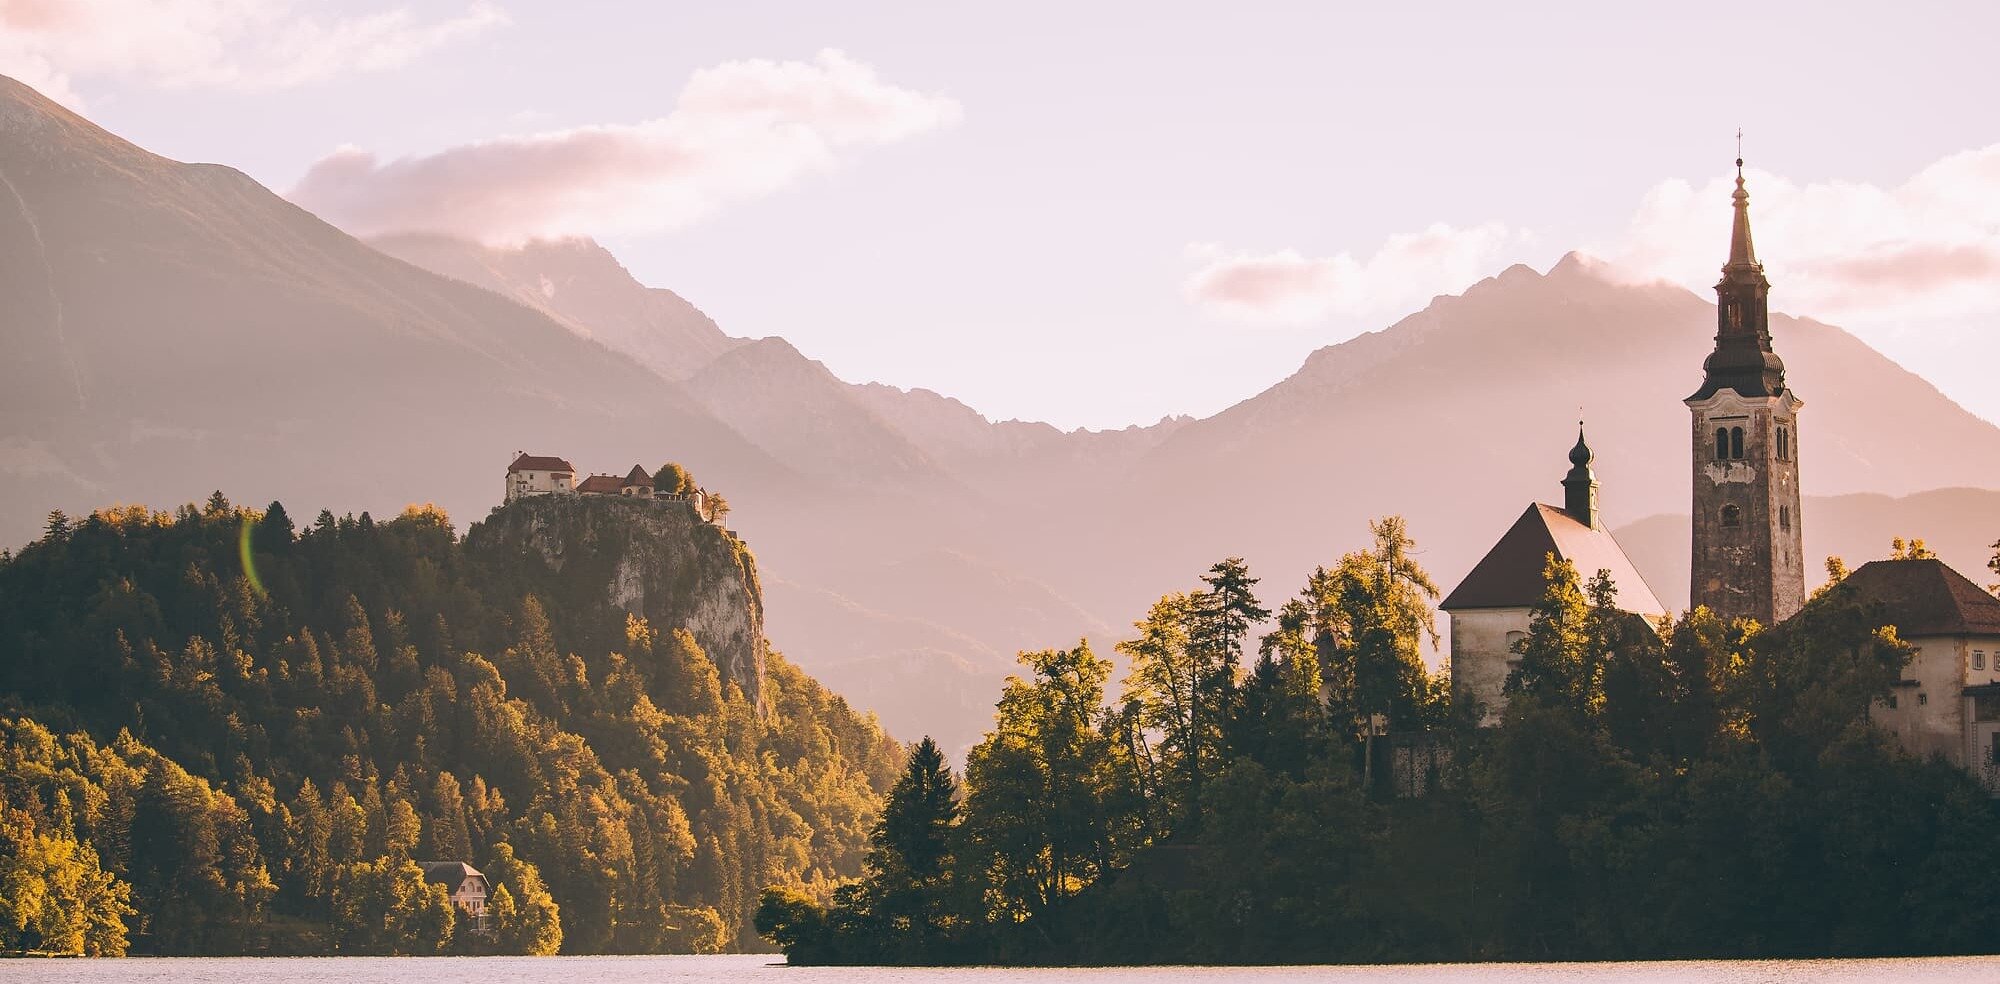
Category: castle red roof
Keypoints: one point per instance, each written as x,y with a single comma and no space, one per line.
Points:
638,476
536,462
1510,575
601,485
1926,598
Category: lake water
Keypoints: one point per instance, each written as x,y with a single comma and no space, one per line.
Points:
764,970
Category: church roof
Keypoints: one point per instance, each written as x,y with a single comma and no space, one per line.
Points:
1510,575
537,462
1926,598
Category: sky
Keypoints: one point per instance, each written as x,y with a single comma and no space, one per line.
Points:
1101,214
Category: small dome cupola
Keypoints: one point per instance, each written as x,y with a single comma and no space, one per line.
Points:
1580,485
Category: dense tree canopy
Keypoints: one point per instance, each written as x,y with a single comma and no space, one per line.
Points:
220,733
1681,789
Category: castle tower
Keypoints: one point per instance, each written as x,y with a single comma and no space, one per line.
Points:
1747,559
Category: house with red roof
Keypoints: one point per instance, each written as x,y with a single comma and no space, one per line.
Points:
1947,703
533,474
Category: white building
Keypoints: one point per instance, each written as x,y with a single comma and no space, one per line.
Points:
467,886
1948,701
1490,609
538,475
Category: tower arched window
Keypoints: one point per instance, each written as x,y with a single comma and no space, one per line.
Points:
1784,517
1736,442
1732,516
1721,443
1784,444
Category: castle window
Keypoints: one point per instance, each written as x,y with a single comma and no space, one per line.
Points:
1731,516
1736,442
1923,698
1979,659
1892,702
1721,443
1784,444
1784,517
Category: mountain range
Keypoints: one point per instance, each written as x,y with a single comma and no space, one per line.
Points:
174,328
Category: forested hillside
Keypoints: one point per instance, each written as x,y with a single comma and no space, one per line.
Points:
222,734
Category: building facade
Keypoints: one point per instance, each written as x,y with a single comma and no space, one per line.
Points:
1748,556
532,474
1947,703
468,888
1490,610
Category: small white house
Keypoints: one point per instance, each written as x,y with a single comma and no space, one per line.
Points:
532,474
467,886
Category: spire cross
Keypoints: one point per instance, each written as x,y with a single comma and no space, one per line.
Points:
1739,153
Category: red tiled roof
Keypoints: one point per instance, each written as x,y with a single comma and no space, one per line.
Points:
1510,575
601,484
638,476
536,462
1925,598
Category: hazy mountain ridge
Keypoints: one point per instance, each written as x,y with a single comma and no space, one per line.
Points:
582,286
177,328
184,328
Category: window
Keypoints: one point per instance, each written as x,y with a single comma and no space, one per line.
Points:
1736,442
1784,517
1721,443
1784,444
1923,698
1892,702
1979,659
1731,516
1986,707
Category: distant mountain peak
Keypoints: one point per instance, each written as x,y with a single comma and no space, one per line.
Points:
40,128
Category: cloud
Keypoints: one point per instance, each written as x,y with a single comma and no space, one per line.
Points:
1840,250
738,130
242,44
1287,287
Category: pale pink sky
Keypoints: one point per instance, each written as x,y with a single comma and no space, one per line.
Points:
1097,214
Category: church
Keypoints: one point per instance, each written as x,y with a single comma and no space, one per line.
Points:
1747,557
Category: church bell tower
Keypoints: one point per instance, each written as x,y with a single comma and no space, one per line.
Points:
1747,559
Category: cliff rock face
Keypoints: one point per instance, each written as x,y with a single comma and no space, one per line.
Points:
654,559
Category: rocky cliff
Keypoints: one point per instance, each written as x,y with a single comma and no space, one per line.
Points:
654,559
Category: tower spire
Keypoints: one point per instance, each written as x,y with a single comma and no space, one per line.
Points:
1742,359
1742,252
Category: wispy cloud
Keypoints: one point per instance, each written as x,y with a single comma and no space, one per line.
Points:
245,44
1870,257
1846,251
738,130
1288,287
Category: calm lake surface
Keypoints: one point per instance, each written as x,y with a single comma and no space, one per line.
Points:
760,969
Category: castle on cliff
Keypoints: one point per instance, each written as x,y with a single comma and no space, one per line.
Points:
533,474
1746,552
